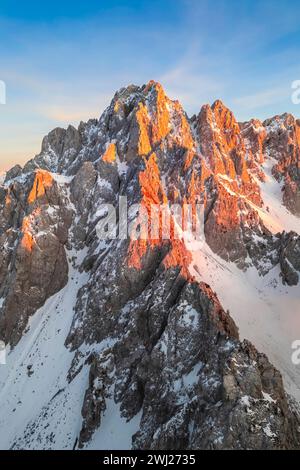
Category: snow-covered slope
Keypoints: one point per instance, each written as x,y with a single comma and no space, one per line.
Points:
266,312
39,408
134,343
274,214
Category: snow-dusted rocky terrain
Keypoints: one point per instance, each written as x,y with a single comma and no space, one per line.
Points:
114,344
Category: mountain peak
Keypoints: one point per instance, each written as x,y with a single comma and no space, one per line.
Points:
141,315
153,84
218,104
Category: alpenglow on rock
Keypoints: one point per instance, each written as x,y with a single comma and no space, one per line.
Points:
125,343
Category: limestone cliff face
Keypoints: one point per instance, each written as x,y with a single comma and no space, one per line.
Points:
282,143
33,259
172,353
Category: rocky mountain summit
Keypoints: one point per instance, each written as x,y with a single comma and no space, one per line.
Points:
129,342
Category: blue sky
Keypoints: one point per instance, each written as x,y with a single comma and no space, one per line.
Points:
63,61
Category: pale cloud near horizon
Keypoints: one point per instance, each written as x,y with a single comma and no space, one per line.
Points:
56,78
192,89
183,82
66,111
263,98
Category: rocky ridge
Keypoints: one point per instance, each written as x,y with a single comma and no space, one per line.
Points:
155,341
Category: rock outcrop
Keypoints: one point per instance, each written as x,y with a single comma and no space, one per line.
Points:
282,143
156,342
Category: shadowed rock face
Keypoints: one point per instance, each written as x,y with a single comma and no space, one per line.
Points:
283,144
182,366
33,262
171,353
290,258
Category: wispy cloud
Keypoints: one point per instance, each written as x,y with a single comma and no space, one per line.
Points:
66,111
190,87
67,69
264,98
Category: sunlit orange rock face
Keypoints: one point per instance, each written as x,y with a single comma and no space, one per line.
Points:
254,135
28,241
143,122
209,159
163,130
110,154
39,264
179,256
7,199
151,122
230,130
151,184
183,137
156,325
43,181
204,161
160,122
228,180
223,146
218,133
152,194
